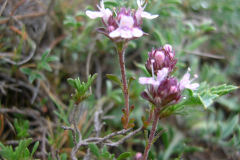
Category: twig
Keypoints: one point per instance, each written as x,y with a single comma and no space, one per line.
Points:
105,140
44,152
3,7
73,133
87,157
21,2
36,91
126,137
97,122
123,132
20,17
75,124
29,112
57,154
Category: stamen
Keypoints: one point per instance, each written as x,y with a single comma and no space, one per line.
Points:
195,76
152,61
114,9
132,11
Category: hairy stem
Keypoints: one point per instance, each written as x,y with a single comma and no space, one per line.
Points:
124,82
76,129
151,137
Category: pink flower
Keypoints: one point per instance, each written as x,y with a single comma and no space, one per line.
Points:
185,82
126,29
161,74
104,13
140,14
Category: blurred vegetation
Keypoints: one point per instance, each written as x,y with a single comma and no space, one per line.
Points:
55,40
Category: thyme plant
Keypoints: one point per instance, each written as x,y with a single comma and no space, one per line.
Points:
166,94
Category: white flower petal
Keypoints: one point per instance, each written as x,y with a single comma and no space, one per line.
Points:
148,15
162,74
126,33
115,33
193,86
126,21
107,14
145,80
137,32
94,14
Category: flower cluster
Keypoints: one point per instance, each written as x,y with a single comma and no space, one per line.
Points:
164,90
121,24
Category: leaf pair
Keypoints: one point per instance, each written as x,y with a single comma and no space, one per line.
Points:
114,78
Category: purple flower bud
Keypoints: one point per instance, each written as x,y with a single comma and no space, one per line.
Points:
163,57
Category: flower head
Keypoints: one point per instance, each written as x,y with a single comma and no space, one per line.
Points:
104,13
166,94
163,57
126,29
141,14
123,25
185,82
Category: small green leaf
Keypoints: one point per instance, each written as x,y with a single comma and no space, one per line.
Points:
112,156
131,120
229,126
45,55
94,149
172,1
34,148
223,89
130,81
26,71
158,135
71,82
52,58
26,153
105,155
183,113
124,155
115,79
104,149
31,78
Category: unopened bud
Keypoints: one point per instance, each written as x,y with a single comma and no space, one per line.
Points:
111,28
173,89
159,56
168,47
